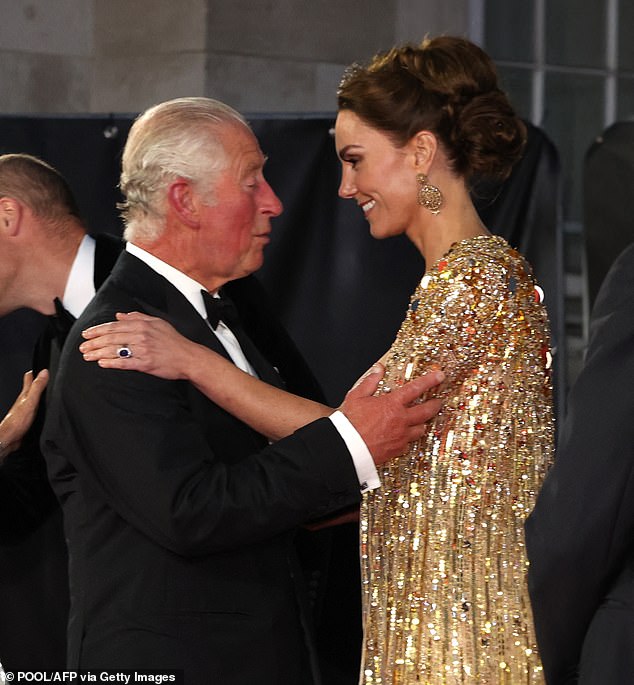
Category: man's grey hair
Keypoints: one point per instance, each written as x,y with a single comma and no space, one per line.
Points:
175,139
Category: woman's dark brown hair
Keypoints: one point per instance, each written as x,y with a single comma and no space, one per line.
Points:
446,85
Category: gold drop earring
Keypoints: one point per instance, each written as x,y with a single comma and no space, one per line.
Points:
429,196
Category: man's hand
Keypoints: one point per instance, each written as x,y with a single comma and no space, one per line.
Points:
389,422
22,414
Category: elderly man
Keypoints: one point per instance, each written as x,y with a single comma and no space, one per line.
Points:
179,517
47,261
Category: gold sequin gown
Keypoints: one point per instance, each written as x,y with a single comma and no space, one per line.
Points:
442,541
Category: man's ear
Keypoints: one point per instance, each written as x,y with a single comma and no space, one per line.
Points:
424,145
184,201
10,216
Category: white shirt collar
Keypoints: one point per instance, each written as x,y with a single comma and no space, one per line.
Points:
182,282
80,286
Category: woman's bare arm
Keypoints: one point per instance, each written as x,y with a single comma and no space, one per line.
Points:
158,349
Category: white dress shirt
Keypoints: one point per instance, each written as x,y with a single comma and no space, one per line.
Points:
80,286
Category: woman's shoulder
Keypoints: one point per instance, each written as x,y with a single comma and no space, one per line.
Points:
478,251
486,257
485,266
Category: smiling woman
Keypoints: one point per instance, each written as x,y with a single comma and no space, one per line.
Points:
444,568
376,174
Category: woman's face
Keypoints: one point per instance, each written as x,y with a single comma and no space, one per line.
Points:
378,175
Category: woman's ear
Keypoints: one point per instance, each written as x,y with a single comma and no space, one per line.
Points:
10,216
183,201
425,145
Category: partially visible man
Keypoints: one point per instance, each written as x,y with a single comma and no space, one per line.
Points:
580,536
47,262
179,517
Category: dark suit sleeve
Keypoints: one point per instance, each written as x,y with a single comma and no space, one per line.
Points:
142,446
582,527
26,498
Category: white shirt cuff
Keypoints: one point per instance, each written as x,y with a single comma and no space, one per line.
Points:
361,457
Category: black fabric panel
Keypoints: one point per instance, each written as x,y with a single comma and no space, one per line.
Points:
608,201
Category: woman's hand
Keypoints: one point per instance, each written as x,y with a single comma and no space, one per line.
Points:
154,345
22,414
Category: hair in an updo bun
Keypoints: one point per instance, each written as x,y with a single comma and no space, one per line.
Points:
446,85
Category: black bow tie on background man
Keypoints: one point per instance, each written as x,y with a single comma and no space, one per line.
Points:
62,321
50,342
223,309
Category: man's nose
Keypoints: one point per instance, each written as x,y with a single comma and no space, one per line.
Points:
271,203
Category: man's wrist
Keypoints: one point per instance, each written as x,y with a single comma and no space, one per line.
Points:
361,457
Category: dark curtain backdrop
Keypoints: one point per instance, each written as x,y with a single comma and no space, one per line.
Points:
608,201
341,293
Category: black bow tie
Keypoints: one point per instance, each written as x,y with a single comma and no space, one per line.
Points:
219,309
223,309
62,321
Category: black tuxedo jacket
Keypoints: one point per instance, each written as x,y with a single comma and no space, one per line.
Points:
179,517
33,560
580,536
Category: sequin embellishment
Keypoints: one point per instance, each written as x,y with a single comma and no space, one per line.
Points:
442,541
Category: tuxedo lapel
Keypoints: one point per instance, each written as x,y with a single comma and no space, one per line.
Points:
264,369
223,309
262,325
187,321
156,296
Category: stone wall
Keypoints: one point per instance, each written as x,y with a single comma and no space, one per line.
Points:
71,56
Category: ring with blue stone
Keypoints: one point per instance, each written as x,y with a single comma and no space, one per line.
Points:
124,352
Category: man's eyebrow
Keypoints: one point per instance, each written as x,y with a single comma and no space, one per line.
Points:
256,164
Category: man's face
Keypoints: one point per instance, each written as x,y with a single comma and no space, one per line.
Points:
235,229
